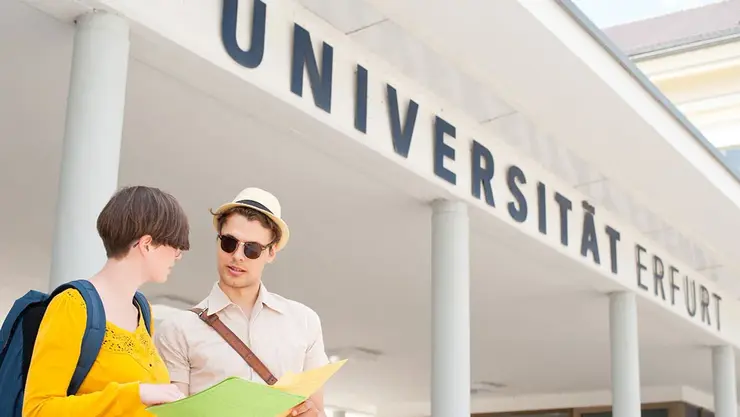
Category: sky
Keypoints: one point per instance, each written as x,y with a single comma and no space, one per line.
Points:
605,13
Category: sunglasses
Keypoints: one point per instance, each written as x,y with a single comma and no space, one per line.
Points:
252,250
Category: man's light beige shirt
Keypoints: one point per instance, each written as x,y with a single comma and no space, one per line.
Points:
284,334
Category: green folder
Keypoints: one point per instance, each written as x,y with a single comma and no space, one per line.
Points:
232,397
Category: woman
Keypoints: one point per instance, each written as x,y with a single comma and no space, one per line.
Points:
144,231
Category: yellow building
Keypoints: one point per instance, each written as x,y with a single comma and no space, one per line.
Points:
693,57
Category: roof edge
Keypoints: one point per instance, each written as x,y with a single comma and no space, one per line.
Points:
599,36
684,47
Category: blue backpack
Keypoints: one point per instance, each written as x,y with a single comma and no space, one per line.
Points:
18,336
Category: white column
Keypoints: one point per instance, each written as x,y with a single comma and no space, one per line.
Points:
92,143
723,369
450,310
625,362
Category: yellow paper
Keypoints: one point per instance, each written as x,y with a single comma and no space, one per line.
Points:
308,383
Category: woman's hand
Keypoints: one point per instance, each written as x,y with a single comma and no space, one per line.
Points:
153,394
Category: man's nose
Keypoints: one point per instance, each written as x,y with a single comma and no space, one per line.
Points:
239,253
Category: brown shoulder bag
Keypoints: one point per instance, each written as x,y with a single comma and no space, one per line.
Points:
233,340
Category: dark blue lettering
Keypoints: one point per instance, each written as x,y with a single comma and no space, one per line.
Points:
658,274
704,299
541,208
401,137
565,207
674,287
442,150
640,267
514,174
589,241
482,172
690,299
251,58
304,58
361,99
717,299
614,237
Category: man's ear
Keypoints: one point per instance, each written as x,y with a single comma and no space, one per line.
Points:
271,252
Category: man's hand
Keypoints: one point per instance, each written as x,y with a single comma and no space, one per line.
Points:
306,409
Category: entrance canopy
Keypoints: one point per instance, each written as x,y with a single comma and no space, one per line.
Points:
356,147
549,62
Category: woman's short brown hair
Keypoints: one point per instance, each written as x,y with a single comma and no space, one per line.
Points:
138,211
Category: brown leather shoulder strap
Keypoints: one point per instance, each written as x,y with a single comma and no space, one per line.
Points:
233,340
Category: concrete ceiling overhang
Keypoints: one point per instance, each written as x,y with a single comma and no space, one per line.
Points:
546,61
585,135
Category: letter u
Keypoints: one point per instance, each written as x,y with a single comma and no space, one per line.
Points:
252,57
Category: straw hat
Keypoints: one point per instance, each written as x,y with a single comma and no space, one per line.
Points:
262,201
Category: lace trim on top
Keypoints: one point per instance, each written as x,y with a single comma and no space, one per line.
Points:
138,345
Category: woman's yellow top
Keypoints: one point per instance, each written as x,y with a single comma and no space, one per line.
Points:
112,386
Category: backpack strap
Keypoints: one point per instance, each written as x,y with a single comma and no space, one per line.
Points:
95,327
12,320
94,330
143,305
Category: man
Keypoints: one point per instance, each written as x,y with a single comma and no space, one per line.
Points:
284,334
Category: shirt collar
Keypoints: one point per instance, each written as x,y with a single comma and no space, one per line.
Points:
217,300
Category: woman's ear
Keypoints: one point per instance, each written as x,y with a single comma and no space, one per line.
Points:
146,242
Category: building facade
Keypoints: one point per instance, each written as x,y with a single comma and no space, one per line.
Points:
693,57
491,211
